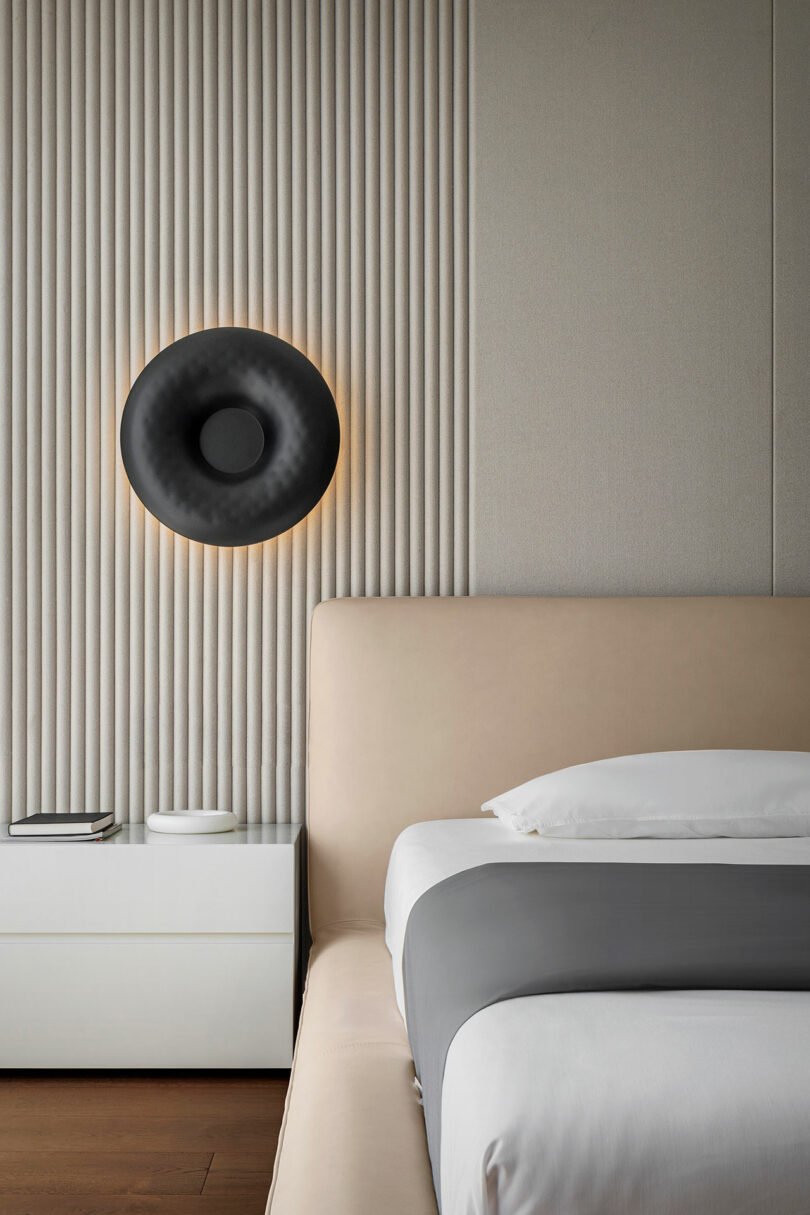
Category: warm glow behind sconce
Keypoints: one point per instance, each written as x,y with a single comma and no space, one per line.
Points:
230,436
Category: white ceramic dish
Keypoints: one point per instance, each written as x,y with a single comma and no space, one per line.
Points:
192,822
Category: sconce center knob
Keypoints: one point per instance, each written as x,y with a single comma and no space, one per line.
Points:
232,440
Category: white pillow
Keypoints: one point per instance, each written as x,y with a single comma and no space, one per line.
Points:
668,795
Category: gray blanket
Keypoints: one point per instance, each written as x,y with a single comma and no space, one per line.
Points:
500,931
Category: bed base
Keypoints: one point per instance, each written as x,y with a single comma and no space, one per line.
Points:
425,708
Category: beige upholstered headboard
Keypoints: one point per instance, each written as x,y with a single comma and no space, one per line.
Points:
423,708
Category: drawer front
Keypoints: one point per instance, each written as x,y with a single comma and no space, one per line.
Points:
107,1002
78,888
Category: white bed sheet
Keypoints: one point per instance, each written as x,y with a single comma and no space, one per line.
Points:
616,1103
630,1103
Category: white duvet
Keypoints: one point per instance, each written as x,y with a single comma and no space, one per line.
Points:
616,1103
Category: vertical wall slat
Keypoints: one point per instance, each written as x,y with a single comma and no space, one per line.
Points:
445,329
33,434
284,313
209,317
371,299
461,281
48,530
298,166
179,322
19,423
357,387
343,225
312,338
239,583
269,225
7,140
153,96
78,406
168,290
137,358
298,535
430,222
387,330
93,403
402,254
416,294
121,508
107,439
328,300
191,202
62,451
225,241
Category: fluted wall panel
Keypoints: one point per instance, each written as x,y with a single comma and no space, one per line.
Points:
300,167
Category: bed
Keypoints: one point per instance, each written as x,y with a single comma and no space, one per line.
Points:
599,1097
422,709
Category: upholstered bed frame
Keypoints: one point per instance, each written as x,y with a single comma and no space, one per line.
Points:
422,709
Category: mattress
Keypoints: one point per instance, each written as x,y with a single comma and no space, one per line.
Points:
615,1102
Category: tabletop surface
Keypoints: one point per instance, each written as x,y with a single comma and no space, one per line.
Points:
139,833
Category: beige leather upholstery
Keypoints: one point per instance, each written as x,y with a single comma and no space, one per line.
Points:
353,1141
424,708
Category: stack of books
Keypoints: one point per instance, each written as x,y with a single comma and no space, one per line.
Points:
48,828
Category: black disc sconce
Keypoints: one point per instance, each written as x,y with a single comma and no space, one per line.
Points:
230,436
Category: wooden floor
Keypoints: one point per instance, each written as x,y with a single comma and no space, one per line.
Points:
138,1143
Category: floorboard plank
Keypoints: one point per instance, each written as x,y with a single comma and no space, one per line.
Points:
100,1172
134,1204
102,1094
120,1112
239,1173
154,1137
123,1133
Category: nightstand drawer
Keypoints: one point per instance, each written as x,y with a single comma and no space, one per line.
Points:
167,884
156,1001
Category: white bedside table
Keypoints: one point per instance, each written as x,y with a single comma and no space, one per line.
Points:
150,951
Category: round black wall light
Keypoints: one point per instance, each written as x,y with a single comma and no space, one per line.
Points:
230,436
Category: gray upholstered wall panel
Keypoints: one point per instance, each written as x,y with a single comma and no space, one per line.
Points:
791,297
295,165
621,295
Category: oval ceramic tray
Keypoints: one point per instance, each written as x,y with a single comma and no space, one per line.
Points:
192,822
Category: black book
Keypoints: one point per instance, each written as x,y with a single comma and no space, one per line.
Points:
62,824
94,837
